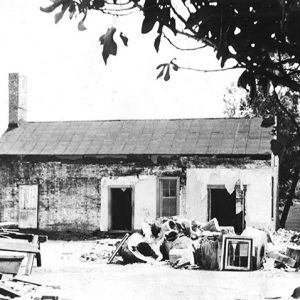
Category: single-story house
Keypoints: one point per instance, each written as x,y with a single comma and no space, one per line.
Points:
112,175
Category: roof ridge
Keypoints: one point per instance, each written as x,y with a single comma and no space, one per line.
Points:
159,119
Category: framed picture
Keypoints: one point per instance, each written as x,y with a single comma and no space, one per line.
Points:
236,253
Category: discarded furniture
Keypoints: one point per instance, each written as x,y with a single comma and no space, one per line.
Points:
236,253
10,264
259,245
23,243
207,253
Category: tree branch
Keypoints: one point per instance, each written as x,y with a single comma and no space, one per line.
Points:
287,112
179,48
205,70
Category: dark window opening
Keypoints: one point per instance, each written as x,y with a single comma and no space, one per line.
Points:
121,208
227,208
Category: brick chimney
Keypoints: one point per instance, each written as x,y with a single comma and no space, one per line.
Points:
17,89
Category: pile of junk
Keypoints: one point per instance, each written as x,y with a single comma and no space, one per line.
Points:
193,245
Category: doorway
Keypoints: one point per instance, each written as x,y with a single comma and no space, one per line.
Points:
121,208
227,208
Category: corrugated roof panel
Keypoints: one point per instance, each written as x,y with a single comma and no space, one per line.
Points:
187,136
61,147
252,146
215,143
240,145
84,145
227,144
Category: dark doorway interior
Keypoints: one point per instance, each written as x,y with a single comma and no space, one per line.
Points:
121,208
223,208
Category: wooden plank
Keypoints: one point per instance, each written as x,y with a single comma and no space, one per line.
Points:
31,256
126,236
11,245
15,279
8,291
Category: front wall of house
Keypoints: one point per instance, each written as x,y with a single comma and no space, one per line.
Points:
74,195
258,195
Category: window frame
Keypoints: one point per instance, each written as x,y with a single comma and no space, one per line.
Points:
222,186
159,202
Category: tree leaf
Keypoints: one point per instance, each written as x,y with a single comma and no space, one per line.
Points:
175,67
244,79
109,45
81,26
148,24
157,42
161,66
59,15
151,12
268,121
160,73
276,147
52,7
98,4
124,38
72,10
167,75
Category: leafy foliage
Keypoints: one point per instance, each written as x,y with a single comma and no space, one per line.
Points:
287,145
260,35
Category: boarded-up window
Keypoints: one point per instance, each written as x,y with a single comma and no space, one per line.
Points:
168,200
28,202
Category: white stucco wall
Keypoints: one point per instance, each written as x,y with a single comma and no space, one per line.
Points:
144,198
258,194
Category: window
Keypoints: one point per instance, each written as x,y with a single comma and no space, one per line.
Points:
168,197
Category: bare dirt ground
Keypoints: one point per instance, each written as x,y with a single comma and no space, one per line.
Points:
97,280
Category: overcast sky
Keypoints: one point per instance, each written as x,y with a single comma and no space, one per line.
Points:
67,78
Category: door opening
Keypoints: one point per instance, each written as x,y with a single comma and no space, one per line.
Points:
121,208
227,208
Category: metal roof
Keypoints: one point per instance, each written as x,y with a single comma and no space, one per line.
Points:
182,136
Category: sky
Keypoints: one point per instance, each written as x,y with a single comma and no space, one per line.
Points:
68,80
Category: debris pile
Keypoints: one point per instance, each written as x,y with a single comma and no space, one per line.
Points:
185,244
14,287
101,251
284,250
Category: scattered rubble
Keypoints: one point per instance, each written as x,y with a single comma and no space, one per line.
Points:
102,250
